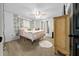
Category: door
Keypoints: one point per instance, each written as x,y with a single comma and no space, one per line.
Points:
75,30
62,31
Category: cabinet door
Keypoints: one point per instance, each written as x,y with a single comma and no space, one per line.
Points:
61,29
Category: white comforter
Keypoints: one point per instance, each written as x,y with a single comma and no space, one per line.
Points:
33,34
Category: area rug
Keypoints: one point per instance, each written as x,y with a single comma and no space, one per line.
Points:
45,44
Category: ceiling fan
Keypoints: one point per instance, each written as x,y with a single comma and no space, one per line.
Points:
38,14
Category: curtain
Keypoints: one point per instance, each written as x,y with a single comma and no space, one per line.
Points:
17,24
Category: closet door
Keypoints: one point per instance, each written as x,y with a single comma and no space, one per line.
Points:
61,31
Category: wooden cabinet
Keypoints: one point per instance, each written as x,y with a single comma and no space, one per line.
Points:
61,34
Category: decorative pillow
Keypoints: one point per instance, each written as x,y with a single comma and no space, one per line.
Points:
37,29
29,29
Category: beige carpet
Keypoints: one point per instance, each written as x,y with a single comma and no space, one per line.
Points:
24,47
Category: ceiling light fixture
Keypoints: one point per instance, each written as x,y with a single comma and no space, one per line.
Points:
38,14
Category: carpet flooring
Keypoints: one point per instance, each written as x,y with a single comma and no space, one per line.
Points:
24,47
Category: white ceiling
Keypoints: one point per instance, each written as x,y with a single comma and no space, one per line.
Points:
26,9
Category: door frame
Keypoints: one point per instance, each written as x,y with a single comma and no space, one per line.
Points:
2,29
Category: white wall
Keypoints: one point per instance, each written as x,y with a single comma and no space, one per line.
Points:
1,19
9,27
1,28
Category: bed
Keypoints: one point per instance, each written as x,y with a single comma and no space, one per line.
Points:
31,34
